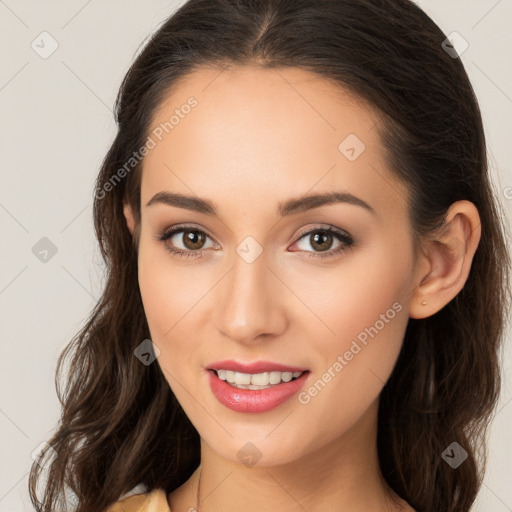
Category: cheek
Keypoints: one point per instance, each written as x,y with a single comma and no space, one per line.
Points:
355,369
169,293
366,312
163,297
172,298
368,288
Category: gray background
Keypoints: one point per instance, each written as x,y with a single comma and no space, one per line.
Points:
56,126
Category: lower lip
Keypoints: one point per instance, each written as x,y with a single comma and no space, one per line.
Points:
254,400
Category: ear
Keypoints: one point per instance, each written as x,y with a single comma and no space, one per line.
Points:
446,260
128,215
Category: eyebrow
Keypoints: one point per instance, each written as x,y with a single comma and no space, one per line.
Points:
289,207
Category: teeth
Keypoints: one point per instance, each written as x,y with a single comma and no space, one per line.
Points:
258,380
242,378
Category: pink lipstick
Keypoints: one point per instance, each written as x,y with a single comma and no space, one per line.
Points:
255,400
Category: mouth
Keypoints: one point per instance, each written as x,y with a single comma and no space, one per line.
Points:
256,381
255,392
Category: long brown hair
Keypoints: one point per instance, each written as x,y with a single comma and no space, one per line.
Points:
121,425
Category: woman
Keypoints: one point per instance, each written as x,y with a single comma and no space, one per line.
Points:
307,276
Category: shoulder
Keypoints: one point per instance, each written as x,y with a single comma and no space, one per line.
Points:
154,501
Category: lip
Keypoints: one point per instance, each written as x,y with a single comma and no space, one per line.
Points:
255,400
255,367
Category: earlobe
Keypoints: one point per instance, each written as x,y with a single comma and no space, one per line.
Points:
448,258
128,215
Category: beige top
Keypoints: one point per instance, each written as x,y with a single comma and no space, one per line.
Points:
154,501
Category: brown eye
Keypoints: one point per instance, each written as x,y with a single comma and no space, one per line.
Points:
193,239
321,241
184,241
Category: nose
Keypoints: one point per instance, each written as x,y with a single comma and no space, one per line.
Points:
250,302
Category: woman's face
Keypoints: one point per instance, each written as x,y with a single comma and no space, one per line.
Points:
259,283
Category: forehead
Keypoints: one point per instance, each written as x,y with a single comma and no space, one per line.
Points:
263,134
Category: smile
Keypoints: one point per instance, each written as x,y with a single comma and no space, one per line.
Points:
255,392
256,380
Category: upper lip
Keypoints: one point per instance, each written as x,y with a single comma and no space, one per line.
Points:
254,367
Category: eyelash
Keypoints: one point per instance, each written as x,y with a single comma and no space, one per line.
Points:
342,237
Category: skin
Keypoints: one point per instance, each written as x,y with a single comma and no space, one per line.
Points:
258,137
